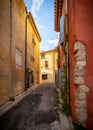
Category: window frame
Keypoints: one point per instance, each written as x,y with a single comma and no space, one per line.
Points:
44,76
32,51
42,56
46,64
18,58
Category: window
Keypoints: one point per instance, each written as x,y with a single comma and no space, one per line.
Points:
32,51
33,39
44,76
18,58
42,56
32,54
46,63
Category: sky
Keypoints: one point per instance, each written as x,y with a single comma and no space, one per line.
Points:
43,13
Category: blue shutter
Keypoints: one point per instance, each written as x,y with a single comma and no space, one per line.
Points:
62,30
60,78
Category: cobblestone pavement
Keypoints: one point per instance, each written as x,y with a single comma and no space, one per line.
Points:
35,112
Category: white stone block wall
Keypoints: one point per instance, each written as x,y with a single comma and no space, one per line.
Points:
82,88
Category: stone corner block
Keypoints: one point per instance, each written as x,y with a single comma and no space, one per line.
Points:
80,64
82,96
79,72
80,104
83,88
78,46
79,80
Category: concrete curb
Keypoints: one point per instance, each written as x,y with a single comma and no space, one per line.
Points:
65,122
7,106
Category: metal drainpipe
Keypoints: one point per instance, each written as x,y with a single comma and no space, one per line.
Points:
10,74
26,50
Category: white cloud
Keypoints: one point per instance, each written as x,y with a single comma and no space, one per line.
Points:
53,41
40,26
36,4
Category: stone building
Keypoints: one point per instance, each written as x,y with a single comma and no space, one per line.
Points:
33,50
49,66
14,43
74,21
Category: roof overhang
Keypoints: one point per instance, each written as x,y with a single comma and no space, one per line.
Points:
34,25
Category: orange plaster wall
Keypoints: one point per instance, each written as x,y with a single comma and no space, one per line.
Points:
71,39
64,7
80,15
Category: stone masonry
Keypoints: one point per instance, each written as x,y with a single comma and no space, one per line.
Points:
82,88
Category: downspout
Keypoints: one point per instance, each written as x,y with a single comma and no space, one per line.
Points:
10,73
26,50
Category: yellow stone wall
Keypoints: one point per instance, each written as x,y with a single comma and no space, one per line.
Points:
33,65
18,42
52,57
4,50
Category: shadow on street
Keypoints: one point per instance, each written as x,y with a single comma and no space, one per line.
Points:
35,112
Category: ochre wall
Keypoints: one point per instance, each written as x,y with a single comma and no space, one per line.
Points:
18,42
33,65
4,50
81,29
18,16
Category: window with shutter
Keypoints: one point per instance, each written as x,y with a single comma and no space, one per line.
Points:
18,59
62,29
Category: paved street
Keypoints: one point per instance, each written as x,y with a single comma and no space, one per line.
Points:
34,112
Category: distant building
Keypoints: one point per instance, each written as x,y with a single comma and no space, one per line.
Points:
49,66
74,21
18,37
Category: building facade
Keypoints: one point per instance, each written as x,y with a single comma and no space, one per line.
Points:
13,43
33,51
78,20
48,66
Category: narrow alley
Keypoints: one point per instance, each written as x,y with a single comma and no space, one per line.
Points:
46,65
35,112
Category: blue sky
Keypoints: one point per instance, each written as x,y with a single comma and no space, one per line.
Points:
43,13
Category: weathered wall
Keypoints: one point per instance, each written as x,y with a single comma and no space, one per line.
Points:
71,56
61,56
4,50
30,46
18,17
80,29
37,59
18,42
81,88
33,65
